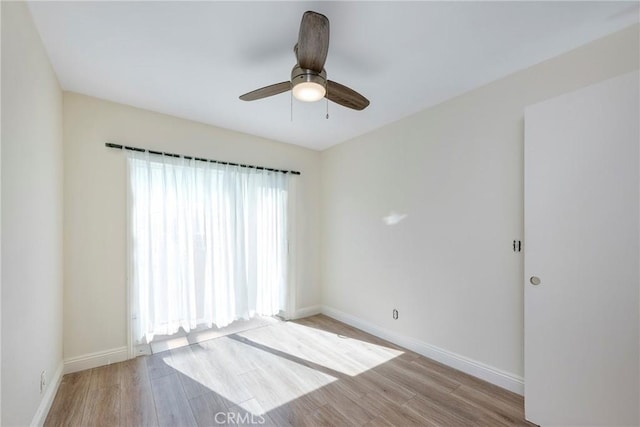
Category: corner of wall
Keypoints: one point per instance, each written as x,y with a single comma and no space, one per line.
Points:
32,211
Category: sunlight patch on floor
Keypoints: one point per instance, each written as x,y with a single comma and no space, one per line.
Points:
333,351
162,343
252,376
262,369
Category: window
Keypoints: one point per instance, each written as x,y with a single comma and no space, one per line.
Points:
208,243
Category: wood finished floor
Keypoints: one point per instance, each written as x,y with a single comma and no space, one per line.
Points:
315,371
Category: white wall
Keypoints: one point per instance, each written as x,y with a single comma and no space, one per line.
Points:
456,170
31,217
95,210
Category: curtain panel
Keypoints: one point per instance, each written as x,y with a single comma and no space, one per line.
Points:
207,244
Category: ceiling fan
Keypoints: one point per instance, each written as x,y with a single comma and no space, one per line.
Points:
308,78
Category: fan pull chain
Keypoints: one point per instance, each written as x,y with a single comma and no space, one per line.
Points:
327,98
291,92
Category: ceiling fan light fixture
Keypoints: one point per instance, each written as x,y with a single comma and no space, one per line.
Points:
308,86
309,91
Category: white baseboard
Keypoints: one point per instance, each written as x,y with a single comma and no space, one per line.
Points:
47,400
307,311
94,360
488,373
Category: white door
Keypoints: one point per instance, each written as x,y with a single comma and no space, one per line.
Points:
581,244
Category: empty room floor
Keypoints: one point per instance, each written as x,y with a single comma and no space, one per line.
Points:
314,371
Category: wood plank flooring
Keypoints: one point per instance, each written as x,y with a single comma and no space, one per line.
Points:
312,372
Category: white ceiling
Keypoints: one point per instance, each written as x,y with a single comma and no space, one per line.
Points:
193,59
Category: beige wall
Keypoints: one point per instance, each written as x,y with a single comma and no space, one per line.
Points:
95,207
456,170
31,217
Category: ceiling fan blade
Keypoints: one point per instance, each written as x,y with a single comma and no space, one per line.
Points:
345,96
313,41
266,91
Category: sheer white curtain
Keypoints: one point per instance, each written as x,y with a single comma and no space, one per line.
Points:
208,243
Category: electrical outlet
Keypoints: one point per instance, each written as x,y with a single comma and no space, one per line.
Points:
43,381
395,314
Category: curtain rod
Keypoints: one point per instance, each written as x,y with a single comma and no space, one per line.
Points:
142,150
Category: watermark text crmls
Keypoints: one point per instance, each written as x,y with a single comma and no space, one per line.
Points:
238,418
